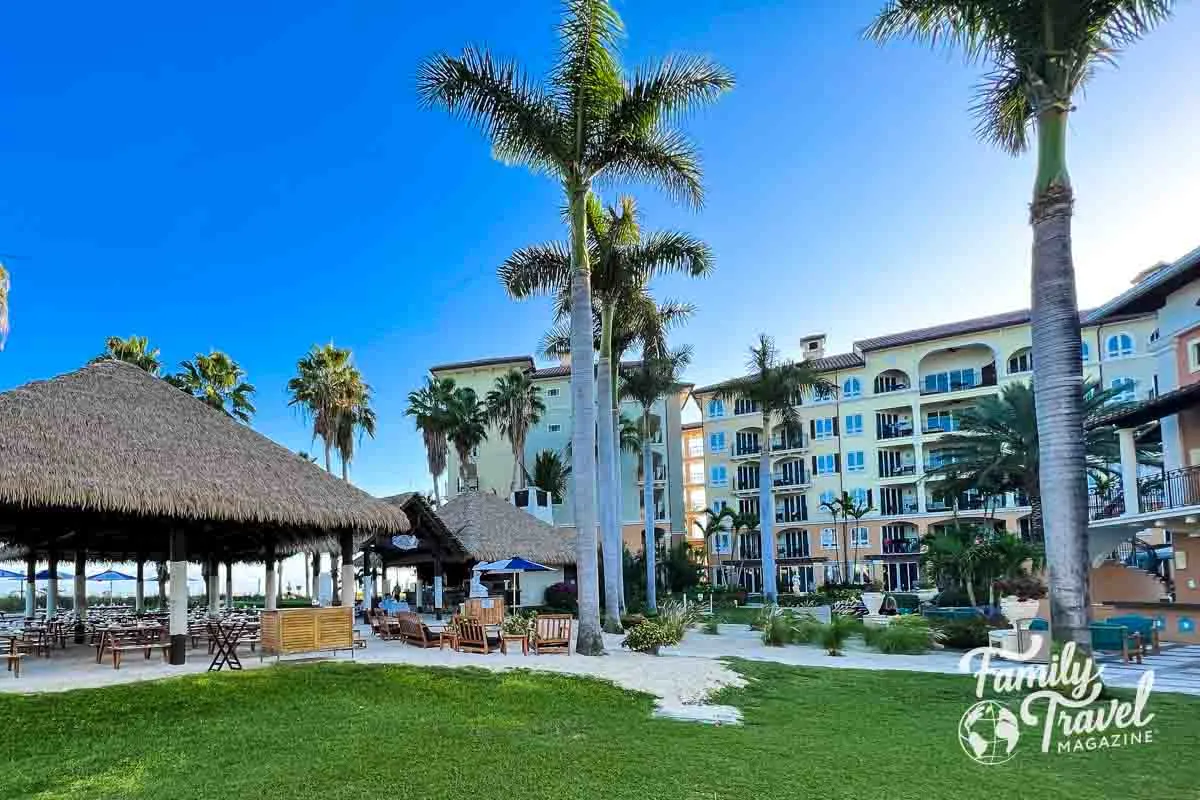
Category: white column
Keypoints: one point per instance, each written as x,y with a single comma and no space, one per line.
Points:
179,598
214,588
139,590
1129,476
437,591
30,587
269,596
348,585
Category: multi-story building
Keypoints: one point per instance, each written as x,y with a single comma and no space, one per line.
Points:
492,465
695,506
877,435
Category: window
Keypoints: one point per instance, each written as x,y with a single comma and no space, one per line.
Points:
828,539
1118,345
854,425
695,473
1021,361
793,544
823,428
950,381
1128,387
553,392
823,393
860,497
719,505
716,442
826,464
827,497
744,405
856,461
1085,351
718,476
860,537
890,382
555,427
748,507
944,421
716,408
695,447
1193,349
833,573
852,387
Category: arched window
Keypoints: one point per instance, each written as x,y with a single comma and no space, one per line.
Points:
1085,351
1128,387
852,387
1020,361
716,407
1118,345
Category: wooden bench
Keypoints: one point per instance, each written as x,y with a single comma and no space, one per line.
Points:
146,647
551,633
414,631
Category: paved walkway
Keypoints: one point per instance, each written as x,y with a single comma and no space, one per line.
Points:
1177,669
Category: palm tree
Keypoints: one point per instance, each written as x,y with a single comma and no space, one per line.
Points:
514,406
466,429
550,474
654,377
5,285
741,525
710,528
311,459
134,350
591,122
318,389
429,406
217,381
1040,53
995,449
355,417
774,385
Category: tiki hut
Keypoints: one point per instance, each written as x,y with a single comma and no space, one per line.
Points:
109,462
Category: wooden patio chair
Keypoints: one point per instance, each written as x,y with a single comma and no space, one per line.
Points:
472,637
415,632
551,633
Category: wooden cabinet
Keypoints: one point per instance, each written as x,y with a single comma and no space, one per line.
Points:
307,630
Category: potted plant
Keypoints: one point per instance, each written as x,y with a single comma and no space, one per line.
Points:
1019,597
926,590
872,597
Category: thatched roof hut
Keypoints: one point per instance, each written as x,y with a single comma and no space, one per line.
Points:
490,528
111,459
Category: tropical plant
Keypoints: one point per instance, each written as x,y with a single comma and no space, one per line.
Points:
714,525
355,418
5,287
711,625
645,384
648,637
1039,54
318,391
776,625
995,449
905,634
774,385
514,406
676,618
591,122
466,430
430,407
134,350
551,473
680,569
217,381
834,634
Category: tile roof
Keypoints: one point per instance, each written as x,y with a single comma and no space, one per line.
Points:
1007,319
1149,292
562,371
827,364
484,362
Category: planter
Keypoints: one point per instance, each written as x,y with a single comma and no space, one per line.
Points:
1015,610
873,601
926,595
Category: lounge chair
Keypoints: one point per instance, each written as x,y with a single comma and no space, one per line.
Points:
551,633
1117,639
1144,627
412,630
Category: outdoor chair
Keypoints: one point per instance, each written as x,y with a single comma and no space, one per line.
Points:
1144,627
551,634
472,637
412,630
14,658
1118,639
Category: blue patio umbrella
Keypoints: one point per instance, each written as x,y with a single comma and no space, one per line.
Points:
8,573
109,576
515,565
44,575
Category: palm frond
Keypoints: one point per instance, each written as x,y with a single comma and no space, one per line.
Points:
587,77
967,25
1004,110
663,158
668,92
673,251
538,269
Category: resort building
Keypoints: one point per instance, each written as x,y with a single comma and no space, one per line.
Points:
492,467
695,506
876,436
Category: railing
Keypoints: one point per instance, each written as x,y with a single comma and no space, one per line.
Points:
946,426
956,386
779,481
894,430
937,505
793,551
895,509
901,546
1175,489
1108,503
887,389
746,450
791,443
899,472
660,474
784,515
745,486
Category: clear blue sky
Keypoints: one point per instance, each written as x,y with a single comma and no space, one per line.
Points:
257,177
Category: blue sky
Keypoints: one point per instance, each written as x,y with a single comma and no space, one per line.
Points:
257,177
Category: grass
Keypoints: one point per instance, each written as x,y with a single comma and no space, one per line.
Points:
350,731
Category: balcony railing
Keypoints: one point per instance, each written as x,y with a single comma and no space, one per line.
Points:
1178,488
782,481
790,515
937,505
894,430
956,386
746,450
895,509
790,443
940,426
898,471
745,485
793,551
892,547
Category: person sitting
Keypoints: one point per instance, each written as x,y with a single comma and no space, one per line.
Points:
889,607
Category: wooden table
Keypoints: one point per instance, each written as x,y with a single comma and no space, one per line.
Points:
505,638
110,635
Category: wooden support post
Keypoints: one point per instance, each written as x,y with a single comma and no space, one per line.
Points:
229,585
347,548
179,598
214,586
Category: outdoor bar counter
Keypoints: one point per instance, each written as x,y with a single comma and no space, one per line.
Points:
307,630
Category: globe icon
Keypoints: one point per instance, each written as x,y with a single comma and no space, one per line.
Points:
988,732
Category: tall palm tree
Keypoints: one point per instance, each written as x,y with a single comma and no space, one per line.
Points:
623,263
710,528
217,381
5,286
134,350
645,384
514,406
1039,54
466,428
317,390
354,419
995,449
550,473
430,407
592,121
775,386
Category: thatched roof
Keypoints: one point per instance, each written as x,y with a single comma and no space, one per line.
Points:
110,439
490,528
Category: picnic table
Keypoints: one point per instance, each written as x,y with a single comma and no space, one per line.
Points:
126,636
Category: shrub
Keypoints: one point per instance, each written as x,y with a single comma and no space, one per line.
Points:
952,598
519,623
675,619
631,620
649,637
806,629
964,634
776,626
1025,587
833,635
840,591
905,634
562,596
711,626
810,600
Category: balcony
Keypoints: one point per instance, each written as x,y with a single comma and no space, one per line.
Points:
897,509
660,474
790,515
695,449
746,451
938,505
1178,488
900,471
893,430
749,485
904,546
787,482
950,383
940,426
785,444
792,550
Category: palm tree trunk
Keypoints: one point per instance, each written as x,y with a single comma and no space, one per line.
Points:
618,497
1058,375
1036,531
345,470
328,459
610,534
766,515
437,495
589,640
316,574
160,573
648,499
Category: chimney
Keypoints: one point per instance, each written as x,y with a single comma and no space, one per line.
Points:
812,347
564,360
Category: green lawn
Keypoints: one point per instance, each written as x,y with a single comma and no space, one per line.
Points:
347,731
